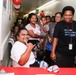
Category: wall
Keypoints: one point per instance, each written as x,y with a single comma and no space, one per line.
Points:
7,17
0,22
58,6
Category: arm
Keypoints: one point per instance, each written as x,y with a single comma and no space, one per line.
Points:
48,38
43,28
56,36
31,33
25,56
53,55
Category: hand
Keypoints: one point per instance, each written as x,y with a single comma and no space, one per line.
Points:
49,40
44,36
29,45
53,55
41,23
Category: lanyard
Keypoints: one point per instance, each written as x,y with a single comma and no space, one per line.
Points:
70,32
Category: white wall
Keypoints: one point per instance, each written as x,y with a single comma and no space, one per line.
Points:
58,5
7,18
0,22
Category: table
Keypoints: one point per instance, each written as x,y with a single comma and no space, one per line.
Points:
38,71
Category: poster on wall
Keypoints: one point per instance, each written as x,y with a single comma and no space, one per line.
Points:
7,6
4,4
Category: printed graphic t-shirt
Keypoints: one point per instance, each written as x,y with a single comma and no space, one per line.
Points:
64,32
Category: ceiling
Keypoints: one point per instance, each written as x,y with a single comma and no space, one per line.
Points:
29,5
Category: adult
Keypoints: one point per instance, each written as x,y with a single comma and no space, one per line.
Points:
64,43
12,38
34,29
58,18
21,53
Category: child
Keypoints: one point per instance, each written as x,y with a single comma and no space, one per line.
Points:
40,59
44,30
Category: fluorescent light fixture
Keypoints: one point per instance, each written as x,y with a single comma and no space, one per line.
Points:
46,4
33,11
25,15
41,7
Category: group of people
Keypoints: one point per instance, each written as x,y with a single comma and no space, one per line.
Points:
45,43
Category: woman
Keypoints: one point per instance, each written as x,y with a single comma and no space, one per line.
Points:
64,44
12,38
58,18
21,53
34,29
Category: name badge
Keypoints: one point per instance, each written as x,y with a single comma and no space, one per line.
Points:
70,46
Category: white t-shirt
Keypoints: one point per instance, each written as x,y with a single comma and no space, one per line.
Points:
35,30
17,50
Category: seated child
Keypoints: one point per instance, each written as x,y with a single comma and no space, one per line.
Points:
40,59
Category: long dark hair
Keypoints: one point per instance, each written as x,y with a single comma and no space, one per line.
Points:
29,17
19,30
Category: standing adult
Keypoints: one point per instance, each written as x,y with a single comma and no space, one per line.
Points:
34,29
58,18
64,43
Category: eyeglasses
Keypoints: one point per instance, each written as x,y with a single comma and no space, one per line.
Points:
57,17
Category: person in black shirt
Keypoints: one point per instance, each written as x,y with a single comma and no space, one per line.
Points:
64,44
